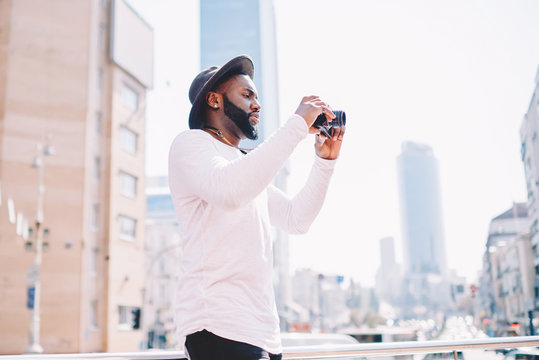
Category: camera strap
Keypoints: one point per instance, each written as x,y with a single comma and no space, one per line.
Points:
220,134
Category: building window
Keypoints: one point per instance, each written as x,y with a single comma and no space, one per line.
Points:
100,78
95,217
129,317
128,185
162,292
127,227
93,262
102,37
161,267
129,98
97,168
128,140
533,229
125,317
94,315
98,119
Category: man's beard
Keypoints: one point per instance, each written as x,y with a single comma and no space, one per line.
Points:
240,118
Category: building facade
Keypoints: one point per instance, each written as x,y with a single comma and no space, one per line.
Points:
421,210
389,275
71,80
162,250
530,160
422,228
517,280
231,28
507,279
324,302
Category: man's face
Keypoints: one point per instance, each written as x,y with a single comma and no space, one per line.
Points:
240,118
240,104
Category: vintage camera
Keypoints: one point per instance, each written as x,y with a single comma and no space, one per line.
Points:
322,123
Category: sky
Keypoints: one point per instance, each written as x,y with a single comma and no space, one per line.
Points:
455,75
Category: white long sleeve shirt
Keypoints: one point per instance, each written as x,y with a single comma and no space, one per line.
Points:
225,205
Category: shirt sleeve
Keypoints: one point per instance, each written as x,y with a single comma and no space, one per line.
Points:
295,215
197,166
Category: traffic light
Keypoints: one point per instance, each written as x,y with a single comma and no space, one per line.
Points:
136,318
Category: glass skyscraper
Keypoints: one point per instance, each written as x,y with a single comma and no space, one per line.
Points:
235,27
426,285
421,210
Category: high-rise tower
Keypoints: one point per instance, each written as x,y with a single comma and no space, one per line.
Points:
425,275
231,28
421,210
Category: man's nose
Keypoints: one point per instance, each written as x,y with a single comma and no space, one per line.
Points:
256,105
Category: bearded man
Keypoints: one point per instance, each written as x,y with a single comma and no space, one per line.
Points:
226,204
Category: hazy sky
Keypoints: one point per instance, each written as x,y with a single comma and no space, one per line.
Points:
456,75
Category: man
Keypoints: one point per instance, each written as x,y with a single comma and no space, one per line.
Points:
225,204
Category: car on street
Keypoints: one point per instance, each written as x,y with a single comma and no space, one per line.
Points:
529,353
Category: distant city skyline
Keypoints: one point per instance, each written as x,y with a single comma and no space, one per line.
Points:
456,75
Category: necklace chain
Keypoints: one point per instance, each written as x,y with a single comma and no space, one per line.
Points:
220,134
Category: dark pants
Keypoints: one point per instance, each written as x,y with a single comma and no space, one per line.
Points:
204,345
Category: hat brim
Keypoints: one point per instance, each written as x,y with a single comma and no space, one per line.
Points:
241,63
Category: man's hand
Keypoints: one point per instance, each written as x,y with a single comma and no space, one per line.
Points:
329,149
309,109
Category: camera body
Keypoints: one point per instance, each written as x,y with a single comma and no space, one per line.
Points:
322,123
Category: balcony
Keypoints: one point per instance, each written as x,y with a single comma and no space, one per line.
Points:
356,351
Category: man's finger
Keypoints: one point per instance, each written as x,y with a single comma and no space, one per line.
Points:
343,130
338,132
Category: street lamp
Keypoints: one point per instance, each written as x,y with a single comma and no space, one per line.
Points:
34,346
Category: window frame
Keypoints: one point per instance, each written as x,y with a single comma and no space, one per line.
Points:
131,236
126,91
124,176
126,136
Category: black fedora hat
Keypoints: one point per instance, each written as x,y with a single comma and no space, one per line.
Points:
206,81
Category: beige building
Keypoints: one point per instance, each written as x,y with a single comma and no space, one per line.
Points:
507,280
517,281
73,74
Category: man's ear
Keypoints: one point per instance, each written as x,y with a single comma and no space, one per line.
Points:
213,100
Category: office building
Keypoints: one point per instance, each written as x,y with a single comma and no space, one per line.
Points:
507,277
389,276
72,80
421,210
231,28
320,301
530,160
422,229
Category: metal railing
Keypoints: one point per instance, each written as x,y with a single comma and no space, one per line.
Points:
325,351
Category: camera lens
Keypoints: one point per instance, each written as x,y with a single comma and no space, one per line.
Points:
322,123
